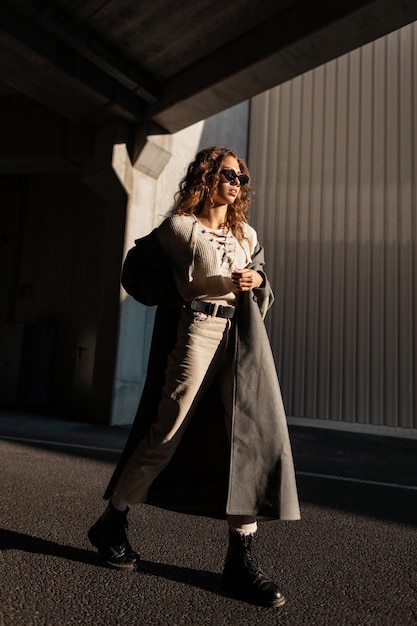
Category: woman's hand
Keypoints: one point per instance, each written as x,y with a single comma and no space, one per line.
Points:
245,279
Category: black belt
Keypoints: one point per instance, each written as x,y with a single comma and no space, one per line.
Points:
209,308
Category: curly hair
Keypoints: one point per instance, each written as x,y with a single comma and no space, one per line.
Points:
199,185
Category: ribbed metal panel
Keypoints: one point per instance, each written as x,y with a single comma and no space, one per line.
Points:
333,157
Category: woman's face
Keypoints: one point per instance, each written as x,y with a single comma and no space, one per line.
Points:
228,191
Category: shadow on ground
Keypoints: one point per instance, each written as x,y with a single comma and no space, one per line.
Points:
11,540
381,502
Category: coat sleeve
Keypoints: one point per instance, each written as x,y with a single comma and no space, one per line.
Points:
147,274
264,295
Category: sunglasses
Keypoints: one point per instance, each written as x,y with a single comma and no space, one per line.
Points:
230,175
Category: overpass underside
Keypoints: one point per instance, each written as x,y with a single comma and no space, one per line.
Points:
175,63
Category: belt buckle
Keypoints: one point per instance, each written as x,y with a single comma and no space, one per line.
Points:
210,307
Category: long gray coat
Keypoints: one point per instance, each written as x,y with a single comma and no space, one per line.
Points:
254,474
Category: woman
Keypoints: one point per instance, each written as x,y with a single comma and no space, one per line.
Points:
210,357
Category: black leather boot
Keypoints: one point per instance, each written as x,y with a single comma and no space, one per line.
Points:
108,535
242,577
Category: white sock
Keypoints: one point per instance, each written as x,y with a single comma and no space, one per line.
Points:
245,529
119,504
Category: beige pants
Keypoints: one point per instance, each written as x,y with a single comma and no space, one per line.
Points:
204,351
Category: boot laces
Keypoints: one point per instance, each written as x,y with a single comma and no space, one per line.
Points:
250,559
121,537
251,562
118,528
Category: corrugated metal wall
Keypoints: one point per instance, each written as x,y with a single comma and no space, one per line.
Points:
333,157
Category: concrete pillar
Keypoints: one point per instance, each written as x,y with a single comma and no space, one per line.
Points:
98,173
150,184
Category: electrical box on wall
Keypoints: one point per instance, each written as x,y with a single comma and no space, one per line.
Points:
26,352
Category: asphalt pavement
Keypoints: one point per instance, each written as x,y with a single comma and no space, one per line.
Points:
351,560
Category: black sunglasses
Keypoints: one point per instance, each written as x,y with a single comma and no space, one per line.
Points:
230,175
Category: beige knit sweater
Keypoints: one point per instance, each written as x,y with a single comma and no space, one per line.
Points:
203,260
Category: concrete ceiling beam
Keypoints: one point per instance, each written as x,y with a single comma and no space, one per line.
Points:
288,44
46,69
55,63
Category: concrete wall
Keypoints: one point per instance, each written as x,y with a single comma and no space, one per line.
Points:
71,265
61,246
57,279
13,204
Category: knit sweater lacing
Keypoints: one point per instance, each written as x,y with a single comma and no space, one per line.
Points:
204,259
